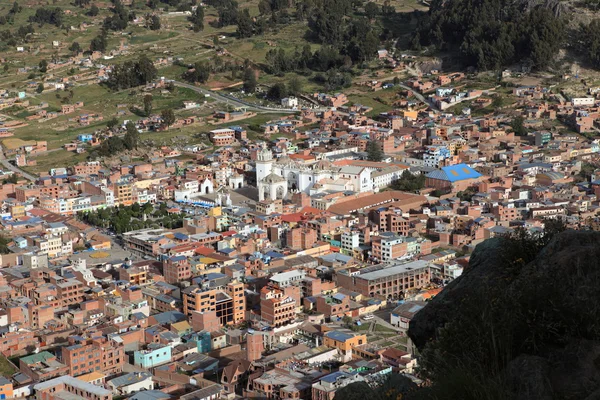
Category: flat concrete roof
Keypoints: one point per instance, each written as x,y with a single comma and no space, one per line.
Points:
392,270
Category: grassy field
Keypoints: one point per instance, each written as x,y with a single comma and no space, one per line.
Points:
175,39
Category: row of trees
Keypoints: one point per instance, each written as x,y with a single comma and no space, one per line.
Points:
52,16
490,34
10,16
8,38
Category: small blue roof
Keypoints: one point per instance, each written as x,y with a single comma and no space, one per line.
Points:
339,336
180,236
274,254
339,296
332,378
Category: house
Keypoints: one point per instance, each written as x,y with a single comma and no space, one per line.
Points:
404,313
289,102
131,382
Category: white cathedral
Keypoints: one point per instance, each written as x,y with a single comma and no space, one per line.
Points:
275,179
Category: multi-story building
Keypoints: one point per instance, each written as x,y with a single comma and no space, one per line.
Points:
228,301
42,366
385,280
135,276
344,342
70,291
89,355
275,307
15,341
124,194
177,269
350,241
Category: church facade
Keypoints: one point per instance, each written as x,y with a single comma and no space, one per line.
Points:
276,178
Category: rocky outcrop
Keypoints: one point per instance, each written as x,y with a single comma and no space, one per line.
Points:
552,303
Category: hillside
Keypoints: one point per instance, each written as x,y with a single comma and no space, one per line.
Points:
508,330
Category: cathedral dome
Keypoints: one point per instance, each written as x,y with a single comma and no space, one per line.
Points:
273,178
322,165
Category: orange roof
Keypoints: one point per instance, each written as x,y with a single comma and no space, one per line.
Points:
295,217
369,164
204,251
301,157
431,293
381,199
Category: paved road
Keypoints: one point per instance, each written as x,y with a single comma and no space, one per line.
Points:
13,168
419,96
223,98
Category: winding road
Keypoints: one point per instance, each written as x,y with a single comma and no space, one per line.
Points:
419,96
223,98
4,161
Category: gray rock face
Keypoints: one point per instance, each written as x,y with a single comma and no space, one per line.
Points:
484,270
555,300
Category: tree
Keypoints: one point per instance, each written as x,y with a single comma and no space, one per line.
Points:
16,8
112,123
4,241
497,101
409,182
518,126
197,19
249,80
295,85
153,22
347,320
43,65
99,43
94,10
75,48
264,7
277,92
199,73
374,152
47,16
371,10
148,104
40,88
132,136
168,117
131,74
245,25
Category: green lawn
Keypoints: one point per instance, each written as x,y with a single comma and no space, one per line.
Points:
6,368
381,328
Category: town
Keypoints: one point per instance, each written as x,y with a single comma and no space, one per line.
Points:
165,235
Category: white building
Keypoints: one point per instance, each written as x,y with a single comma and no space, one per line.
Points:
350,241
285,279
276,178
404,313
132,382
289,102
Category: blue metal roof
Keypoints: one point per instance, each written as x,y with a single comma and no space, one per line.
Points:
339,336
454,173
